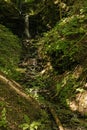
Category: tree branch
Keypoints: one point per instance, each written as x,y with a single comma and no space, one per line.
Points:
58,123
18,89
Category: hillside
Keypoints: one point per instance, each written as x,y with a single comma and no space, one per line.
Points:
43,65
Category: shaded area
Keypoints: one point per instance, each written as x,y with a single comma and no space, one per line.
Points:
16,106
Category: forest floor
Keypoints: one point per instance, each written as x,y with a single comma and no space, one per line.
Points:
18,104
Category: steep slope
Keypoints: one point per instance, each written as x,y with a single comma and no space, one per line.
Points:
17,104
10,51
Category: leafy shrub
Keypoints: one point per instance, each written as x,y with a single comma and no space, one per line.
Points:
29,126
63,42
3,120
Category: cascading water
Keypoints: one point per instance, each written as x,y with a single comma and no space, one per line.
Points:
30,58
26,31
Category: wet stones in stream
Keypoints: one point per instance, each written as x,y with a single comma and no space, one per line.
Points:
30,61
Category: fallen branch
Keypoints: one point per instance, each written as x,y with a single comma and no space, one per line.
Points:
18,89
58,123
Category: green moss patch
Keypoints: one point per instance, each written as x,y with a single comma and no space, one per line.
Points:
10,50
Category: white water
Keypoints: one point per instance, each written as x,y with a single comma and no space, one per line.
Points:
27,33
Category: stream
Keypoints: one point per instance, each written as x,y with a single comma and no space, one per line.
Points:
33,65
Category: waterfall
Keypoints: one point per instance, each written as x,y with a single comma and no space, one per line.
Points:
27,33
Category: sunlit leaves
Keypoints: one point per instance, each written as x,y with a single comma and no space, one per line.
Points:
28,125
3,120
62,43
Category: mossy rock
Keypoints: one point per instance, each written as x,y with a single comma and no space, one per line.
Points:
10,50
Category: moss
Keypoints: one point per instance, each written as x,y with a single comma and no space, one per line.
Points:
10,50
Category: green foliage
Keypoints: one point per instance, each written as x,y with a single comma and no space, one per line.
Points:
29,126
29,0
10,50
62,43
2,104
78,5
67,90
3,120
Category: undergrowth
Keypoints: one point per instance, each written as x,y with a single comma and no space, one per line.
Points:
63,43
